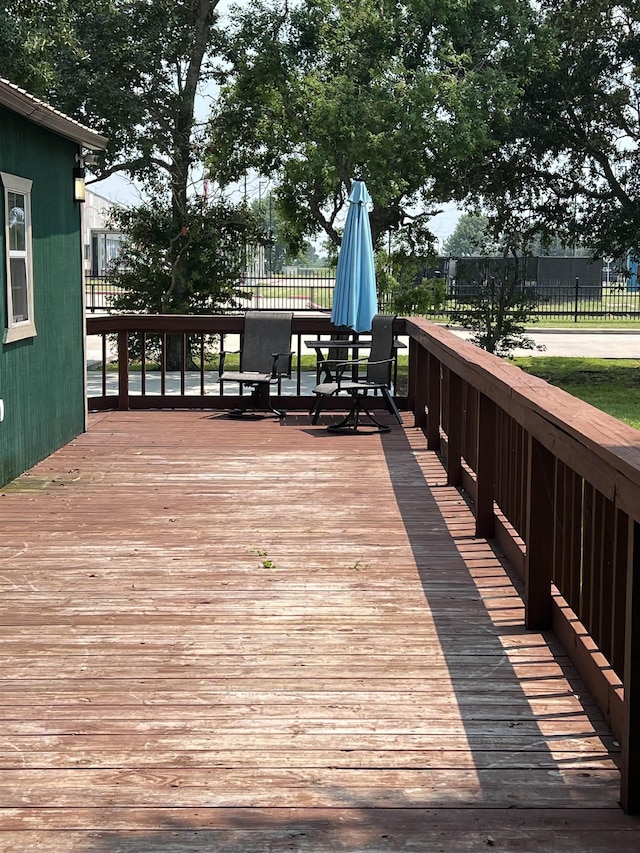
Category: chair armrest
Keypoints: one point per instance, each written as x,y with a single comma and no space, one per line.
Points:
286,358
342,366
223,355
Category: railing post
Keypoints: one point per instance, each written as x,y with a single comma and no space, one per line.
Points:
576,300
418,389
538,566
630,782
454,431
433,404
486,467
123,370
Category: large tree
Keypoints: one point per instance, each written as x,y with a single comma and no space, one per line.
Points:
470,236
318,93
568,159
133,69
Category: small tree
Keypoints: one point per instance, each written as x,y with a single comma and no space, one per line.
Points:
498,305
204,257
415,295
406,277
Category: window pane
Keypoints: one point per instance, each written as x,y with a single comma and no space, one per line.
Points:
17,222
18,268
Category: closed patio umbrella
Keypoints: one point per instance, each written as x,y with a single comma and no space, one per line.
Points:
355,300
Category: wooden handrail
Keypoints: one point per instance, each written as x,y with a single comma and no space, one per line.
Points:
122,327
560,481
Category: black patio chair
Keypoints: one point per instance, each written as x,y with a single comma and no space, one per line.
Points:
377,378
265,357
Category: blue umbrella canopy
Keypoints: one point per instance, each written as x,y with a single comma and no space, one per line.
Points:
355,301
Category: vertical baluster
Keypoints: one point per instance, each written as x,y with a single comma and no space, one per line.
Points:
486,467
620,592
203,356
539,536
434,391
560,568
104,365
163,365
417,392
454,431
575,535
607,577
143,365
183,361
585,612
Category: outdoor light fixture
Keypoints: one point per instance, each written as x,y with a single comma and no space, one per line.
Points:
78,183
79,189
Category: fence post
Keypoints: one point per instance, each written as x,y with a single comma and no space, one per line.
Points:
538,565
630,782
577,298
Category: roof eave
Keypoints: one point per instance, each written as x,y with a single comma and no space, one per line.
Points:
36,111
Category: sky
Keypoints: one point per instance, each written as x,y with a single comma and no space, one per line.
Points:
121,190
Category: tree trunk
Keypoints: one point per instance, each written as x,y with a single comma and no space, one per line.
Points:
182,158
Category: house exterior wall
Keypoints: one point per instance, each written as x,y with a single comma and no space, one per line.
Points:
42,378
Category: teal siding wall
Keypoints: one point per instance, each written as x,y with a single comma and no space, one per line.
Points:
42,378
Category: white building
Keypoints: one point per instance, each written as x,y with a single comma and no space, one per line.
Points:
101,243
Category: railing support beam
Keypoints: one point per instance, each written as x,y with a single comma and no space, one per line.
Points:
630,782
123,370
433,404
418,393
486,473
539,540
454,431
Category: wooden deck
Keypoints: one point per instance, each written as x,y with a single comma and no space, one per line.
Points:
230,636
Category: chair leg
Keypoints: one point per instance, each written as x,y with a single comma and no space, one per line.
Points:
260,402
314,411
391,405
352,421
380,427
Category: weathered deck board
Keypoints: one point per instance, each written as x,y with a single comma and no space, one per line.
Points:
221,635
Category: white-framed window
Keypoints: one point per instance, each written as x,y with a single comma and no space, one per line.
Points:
19,266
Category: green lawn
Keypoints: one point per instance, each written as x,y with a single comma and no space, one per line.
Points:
610,384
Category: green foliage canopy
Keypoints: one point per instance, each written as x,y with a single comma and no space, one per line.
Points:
209,251
568,158
319,93
470,236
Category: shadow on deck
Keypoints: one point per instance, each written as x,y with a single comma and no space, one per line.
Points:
238,636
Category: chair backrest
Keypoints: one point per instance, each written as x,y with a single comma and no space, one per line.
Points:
265,333
381,348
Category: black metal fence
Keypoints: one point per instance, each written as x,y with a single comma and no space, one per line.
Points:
312,290
304,290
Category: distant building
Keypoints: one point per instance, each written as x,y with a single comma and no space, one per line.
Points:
101,243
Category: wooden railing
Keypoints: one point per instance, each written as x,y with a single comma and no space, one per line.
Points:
557,483
151,384
553,480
